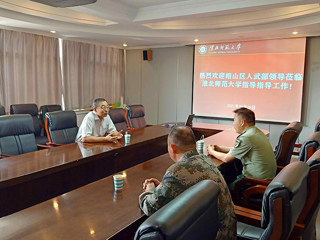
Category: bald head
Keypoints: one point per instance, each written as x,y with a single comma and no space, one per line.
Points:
182,137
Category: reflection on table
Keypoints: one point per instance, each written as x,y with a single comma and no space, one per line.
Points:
31,178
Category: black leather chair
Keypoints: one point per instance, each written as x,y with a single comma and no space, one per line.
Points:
61,127
283,201
2,110
17,134
283,155
317,128
310,211
31,109
118,117
48,108
192,215
136,116
287,139
309,146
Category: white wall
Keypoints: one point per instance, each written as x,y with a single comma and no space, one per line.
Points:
80,116
164,86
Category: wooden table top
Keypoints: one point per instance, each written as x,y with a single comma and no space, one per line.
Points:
220,127
213,126
57,158
41,162
94,211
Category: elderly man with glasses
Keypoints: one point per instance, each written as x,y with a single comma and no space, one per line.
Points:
97,125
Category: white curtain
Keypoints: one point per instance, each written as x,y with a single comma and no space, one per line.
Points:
91,71
29,69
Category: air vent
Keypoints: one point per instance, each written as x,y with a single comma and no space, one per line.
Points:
65,3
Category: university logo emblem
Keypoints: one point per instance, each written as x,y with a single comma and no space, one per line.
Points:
202,49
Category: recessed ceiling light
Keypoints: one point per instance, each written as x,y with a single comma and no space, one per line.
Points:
294,32
125,45
196,40
53,31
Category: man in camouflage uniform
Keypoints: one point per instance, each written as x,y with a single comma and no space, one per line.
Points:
189,168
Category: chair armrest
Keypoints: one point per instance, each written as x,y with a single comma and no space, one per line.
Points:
3,155
248,216
279,168
257,189
297,231
297,145
239,186
253,218
296,153
133,129
41,147
53,144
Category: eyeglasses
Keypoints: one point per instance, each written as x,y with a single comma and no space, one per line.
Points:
104,107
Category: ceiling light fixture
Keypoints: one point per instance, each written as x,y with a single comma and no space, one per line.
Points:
53,31
125,45
196,40
294,32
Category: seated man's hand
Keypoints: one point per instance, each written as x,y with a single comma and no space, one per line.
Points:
110,138
120,134
217,148
210,149
154,181
117,135
149,186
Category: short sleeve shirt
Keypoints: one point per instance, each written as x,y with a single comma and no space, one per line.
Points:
253,148
93,126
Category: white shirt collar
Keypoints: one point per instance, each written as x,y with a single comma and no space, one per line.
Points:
96,117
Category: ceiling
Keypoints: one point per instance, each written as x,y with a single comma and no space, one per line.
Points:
164,23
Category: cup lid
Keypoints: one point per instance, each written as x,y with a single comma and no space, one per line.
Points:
118,176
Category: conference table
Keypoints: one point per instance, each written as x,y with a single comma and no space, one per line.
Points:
32,178
94,211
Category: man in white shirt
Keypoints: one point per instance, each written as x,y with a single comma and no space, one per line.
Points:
97,125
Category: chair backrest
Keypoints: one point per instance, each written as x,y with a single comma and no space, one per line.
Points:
2,110
61,127
191,215
136,116
17,134
48,108
309,146
31,109
287,139
310,211
284,200
118,117
317,128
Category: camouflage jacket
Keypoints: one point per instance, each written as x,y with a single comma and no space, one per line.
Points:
190,169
